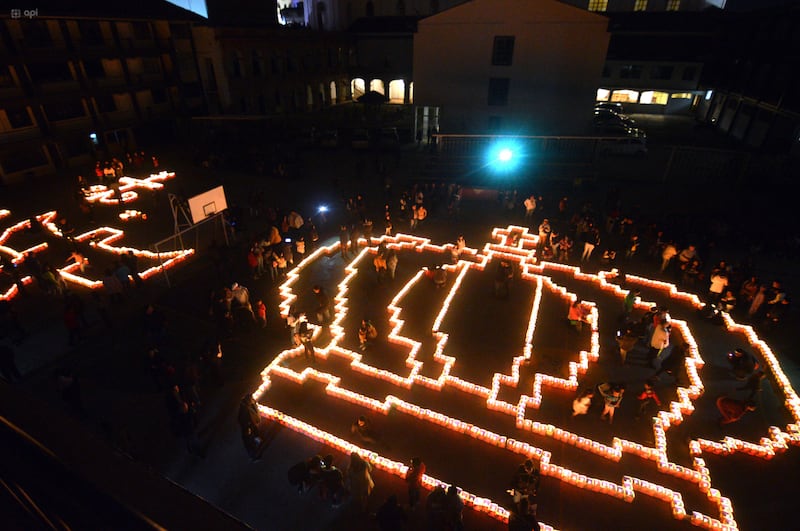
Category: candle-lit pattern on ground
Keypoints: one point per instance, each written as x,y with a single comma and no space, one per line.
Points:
516,244
102,238
102,194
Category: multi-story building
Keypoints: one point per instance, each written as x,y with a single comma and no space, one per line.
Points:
752,80
273,70
655,60
526,67
78,82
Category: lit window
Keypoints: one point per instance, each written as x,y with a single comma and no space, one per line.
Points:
709,94
625,96
598,5
674,5
603,94
503,50
682,96
651,97
640,5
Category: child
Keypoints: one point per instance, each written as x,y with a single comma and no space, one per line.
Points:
261,310
580,406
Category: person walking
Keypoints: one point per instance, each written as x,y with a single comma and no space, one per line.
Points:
581,404
647,399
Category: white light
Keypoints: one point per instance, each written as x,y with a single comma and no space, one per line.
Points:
323,209
709,94
505,155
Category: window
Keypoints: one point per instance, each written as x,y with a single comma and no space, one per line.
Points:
630,71
6,81
651,97
258,62
105,103
36,33
640,5
682,96
689,73
159,95
661,72
49,72
370,9
19,117
598,5
503,51
64,111
674,5
94,68
180,31
498,90
602,94
141,31
90,32
625,96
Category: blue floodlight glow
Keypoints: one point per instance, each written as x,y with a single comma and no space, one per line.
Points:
504,156
323,209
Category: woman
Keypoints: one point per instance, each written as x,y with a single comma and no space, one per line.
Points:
612,398
360,480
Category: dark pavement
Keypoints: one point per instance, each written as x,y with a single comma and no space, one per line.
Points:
123,406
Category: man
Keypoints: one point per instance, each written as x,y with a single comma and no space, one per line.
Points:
132,261
250,425
669,252
241,295
503,279
530,208
732,410
323,311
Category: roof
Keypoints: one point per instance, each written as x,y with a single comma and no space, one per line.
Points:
384,25
115,9
501,11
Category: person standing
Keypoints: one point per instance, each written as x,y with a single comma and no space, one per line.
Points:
454,508
669,252
390,516
414,481
323,310
359,478
250,425
612,398
659,341
530,208
305,336
647,398
503,278
261,310
132,261
580,406
591,239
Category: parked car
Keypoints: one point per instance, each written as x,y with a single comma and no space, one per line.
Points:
360,139
603,116
329,138
613,106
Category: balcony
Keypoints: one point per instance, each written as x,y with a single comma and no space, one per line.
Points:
70,125
20,135
58,87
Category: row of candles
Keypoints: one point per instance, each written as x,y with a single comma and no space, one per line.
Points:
99,193
659,454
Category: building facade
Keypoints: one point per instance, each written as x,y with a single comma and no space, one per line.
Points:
527,68
752,80
74,87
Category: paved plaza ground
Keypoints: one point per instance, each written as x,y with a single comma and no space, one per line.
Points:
485,334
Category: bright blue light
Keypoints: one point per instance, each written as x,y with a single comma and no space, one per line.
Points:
504,156
323,209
